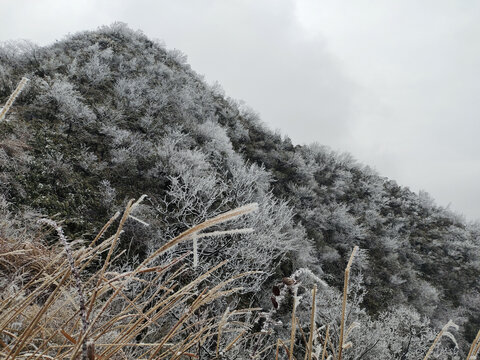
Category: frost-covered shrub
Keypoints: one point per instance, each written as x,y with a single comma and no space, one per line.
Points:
67,103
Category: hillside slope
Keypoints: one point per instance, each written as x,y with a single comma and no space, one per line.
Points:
109,115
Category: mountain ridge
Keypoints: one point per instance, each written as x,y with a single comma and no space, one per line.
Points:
110,114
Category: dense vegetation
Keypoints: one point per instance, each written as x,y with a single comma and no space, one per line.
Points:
110,115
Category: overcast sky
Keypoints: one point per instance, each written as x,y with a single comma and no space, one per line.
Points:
395,83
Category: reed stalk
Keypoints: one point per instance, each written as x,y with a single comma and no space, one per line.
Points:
308,353
344,302
57,326
443,332
13,97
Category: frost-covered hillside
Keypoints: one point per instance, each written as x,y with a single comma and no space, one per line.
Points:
109,115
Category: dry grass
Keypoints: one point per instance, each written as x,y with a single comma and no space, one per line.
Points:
475,348
43,319
13,96
327,347
62,311
27,258
309,352
344,302
443,332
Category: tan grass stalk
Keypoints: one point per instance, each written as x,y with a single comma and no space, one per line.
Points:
219,219
78,281
285,347
193,338
160,309
443,332
324,352
206,297
31,333
277,349
294,325
227,232
476,350
159,271
352,327
90,350
308,353
220,325
471,352
195,252
234,341
68,336
12,97
104,228
104,288
14,311
196,304
6,305
26,335
5,346
344,302
126,213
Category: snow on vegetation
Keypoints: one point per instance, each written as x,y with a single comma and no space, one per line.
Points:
109,114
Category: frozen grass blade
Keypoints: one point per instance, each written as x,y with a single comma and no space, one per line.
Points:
78,281
59,277
472,353
308,353
13,97
443,332
344,302
194,231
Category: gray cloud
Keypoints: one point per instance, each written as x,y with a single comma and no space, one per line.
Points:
417,113
256,50
259,53
394,83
